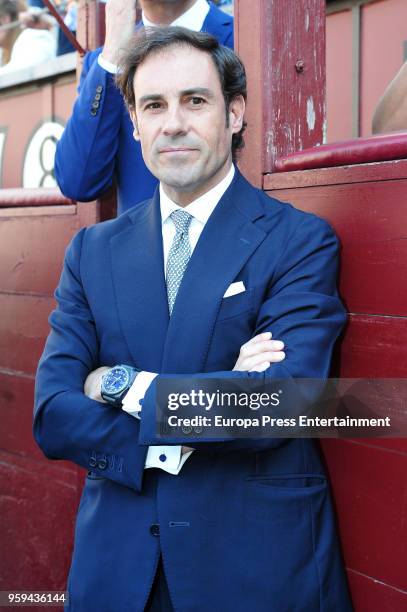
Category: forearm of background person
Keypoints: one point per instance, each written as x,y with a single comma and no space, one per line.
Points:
391,112
86,153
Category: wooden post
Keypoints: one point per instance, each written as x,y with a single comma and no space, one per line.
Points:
91,27
282,43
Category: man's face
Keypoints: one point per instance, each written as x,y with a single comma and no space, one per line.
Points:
181,122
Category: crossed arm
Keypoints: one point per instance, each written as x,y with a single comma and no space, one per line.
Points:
256,355
301,307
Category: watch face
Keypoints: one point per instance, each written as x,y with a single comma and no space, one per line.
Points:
115,381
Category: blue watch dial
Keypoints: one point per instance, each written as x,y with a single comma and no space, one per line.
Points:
115,381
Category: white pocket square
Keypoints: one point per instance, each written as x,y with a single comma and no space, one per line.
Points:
234,289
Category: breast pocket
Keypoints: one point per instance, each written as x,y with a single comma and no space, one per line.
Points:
236,305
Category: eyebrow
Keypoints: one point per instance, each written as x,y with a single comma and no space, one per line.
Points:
203,91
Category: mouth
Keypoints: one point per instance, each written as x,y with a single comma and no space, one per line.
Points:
176,150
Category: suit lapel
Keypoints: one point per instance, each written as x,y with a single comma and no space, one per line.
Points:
226,243
139,284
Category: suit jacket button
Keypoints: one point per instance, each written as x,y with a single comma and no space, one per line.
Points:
155,530
198,430
93,461
102,465
95,104
99,89
97,96
93,112
186,429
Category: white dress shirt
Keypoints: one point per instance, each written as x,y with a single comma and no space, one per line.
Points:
169,458
193,19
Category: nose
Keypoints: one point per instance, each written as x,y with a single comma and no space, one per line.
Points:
174,122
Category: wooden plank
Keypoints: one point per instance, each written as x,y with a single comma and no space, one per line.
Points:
361,173
286,45
356,70
374,347
32,211
370,492
33,248
370,595
33,198
38,505
393,445
248,47
87,30
23,329
370,220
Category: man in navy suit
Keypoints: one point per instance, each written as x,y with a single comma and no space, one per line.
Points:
193,282
97,146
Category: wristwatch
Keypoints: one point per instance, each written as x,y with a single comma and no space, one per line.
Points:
116,382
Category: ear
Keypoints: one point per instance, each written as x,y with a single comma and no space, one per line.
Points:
236,114
133,117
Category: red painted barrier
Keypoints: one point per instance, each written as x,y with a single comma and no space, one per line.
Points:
366,205
38,498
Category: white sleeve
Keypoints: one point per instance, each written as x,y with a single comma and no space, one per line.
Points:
167,458
108,66
131,401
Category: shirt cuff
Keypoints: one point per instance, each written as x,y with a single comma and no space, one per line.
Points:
131,401
108,66
167,458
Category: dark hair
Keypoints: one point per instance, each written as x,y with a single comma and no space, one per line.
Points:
229,66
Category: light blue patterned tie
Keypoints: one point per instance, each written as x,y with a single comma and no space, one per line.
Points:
179,255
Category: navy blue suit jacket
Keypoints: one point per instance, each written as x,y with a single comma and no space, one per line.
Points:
97,145
247,524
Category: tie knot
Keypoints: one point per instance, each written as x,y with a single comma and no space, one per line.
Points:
181,219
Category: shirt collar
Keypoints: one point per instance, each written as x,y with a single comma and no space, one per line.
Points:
201,208
193,18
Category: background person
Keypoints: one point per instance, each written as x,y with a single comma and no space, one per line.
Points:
97,145
22,46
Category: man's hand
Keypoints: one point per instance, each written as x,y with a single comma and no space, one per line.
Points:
93,384
259,353
120,18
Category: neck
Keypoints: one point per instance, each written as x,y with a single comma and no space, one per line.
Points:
163,13
183,198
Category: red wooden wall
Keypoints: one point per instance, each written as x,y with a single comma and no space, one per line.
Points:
366,204
38,498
